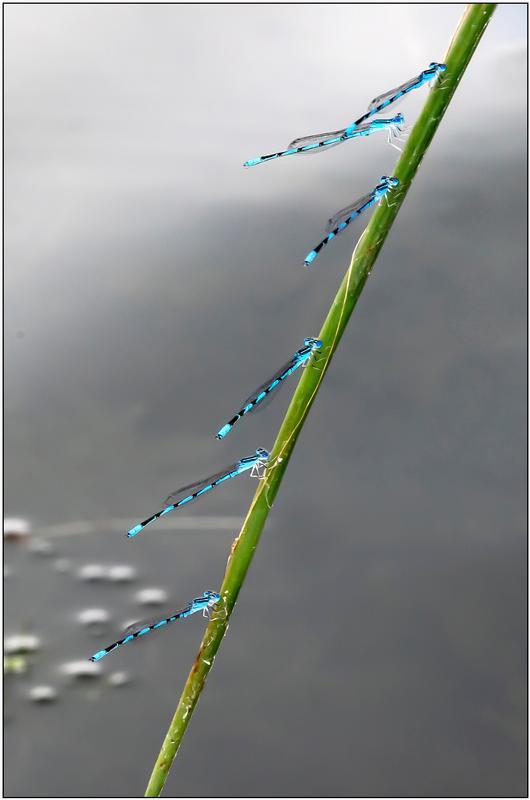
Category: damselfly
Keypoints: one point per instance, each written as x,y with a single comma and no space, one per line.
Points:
183,495
318,141
382,101
340,221
204,604
264,391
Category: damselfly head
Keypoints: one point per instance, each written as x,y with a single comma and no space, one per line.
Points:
399,119
262,454
212,597
310,342
435,67
388,180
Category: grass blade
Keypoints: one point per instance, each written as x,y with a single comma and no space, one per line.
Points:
462,47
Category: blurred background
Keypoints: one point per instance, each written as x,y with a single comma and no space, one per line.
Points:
378,647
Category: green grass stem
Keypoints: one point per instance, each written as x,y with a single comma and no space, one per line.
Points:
463,44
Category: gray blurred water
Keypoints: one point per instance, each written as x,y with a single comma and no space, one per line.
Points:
378,648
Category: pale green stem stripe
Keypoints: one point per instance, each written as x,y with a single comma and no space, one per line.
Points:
463,44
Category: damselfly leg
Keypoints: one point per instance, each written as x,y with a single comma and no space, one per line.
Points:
217,613
317,357
387,201
391,143
258,470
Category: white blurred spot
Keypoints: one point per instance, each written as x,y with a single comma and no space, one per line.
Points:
40,547
93,616
122,573
151,597
42,694
81,669
117,679
16,528
20,643
92,572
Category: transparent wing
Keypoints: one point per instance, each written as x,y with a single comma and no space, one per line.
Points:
149,622
382,97
344,213
315,139
394,103
191,488
313,150
263,386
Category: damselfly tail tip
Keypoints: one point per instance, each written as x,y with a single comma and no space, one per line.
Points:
310,258
223,432
134,531
251,162
98,655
